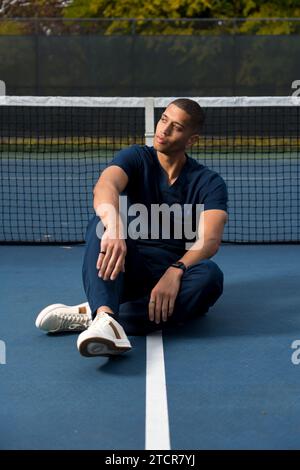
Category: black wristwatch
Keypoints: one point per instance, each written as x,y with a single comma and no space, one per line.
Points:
180,265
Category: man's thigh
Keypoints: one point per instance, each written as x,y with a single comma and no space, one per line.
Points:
144,266
138,279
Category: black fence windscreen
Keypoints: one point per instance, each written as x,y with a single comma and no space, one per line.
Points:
150,65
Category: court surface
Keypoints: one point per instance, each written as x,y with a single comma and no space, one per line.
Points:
230,380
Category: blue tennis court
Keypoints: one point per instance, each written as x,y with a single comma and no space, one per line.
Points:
229,379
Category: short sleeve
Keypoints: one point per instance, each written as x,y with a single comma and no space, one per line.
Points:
129,159
215,195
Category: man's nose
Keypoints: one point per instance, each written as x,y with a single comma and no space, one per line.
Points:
166,129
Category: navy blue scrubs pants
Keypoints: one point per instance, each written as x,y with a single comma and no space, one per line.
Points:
201,284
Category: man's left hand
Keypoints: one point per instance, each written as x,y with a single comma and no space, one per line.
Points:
163,295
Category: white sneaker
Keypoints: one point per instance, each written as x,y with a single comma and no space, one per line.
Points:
59,317
104,337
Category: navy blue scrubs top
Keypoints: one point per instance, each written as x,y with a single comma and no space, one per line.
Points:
147,185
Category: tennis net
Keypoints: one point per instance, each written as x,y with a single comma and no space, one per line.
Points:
52,150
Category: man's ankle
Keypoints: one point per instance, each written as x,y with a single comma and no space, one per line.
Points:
104,309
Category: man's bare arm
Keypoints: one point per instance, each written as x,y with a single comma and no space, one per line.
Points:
211,227
164,293
111,183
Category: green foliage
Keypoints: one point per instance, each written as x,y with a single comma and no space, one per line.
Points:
8,28
136,8
163,9
192,9
182,8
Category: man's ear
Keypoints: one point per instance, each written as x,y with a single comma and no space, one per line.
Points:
192,140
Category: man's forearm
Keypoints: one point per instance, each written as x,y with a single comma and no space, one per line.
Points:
193,255
106,205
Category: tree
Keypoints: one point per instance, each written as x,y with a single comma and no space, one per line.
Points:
191,9
143,10
12,10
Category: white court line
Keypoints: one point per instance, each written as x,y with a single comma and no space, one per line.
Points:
157,417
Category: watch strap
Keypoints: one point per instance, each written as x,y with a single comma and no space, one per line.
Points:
179,265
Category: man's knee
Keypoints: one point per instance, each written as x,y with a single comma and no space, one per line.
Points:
209,274
214,272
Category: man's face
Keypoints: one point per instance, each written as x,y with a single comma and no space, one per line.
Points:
173,131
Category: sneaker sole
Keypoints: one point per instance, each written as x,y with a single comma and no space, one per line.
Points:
101,347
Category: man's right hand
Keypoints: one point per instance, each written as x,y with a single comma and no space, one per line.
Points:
111,259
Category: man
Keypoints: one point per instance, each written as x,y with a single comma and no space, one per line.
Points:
178,282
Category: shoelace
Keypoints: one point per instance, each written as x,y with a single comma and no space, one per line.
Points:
69,319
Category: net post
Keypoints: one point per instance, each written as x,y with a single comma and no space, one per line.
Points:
149,121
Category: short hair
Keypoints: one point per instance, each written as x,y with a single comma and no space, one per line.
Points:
194,110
